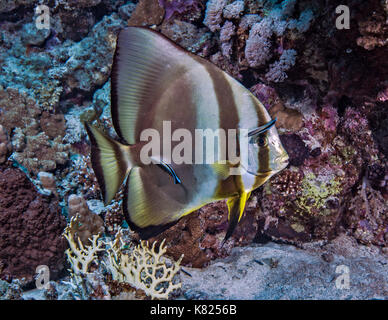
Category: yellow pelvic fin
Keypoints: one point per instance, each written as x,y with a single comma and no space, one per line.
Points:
236,206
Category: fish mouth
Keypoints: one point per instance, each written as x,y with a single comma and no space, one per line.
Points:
282,160
281,163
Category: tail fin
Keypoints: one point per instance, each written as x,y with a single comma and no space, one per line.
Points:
110,161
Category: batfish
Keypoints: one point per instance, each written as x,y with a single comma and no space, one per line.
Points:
157,86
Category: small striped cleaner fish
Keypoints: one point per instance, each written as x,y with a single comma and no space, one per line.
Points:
153,81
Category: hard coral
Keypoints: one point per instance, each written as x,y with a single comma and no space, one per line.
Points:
288,183
31,227
114,218
88,224
147,13
85,283
145,269
24,121
47,180
5,145
177,6
308,204
79,256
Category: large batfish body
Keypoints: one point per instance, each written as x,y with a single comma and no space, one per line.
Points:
155,82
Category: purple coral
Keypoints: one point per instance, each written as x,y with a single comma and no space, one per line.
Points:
356,122
234,10
176,6
227,31
277,70
296,149
267,95
330,118
258,45
257,50
213,15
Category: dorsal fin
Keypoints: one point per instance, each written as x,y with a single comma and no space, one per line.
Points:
144,65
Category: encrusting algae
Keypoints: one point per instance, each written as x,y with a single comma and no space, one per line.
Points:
315,194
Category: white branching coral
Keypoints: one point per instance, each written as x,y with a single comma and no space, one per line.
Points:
140,267
79,256
143,268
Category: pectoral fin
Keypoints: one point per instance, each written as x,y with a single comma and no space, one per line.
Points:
236,208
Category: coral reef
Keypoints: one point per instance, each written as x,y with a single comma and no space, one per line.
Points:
258,25
10,291
31,228
296,149
36,136
47,180
114,218
327,88
367,216
79,256
88,224
374,32
199,235
173,7
213,16
145,269
84,282
147,13
5,145
142,268
46,74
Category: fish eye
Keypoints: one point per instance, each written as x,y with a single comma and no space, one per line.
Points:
262,141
